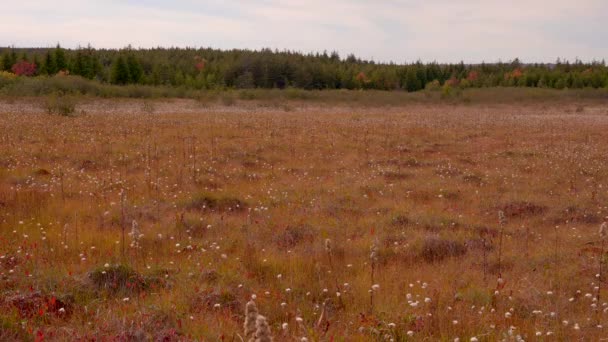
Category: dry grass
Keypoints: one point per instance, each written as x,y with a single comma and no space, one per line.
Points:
235,201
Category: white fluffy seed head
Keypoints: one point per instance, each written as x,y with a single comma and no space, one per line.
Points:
328,245
262,333
251,316
501,217
603,230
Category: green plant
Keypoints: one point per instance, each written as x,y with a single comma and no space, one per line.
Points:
64,105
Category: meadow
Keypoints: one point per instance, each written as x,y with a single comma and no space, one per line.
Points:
161,219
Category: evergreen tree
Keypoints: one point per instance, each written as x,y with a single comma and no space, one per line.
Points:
48,65
77,66
60,60
5,62
135,69
13,59
120,72
412,83
92,65
9,59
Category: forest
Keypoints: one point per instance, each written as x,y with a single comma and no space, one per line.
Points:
207,68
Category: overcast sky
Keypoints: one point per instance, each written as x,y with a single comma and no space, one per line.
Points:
383,30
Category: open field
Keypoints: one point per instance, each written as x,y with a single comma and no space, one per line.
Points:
159,220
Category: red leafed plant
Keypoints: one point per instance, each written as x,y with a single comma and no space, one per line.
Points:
200,63
473,76
24,68
453,82
361,77
515,74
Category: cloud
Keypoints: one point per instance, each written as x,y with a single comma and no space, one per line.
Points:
389,30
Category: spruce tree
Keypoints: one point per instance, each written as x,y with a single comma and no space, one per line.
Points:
60,61
120,71
135,70
77,66
13,57
5,64
48,65
92,64
8,60
412,83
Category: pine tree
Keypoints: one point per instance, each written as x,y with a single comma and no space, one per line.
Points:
60,61
13,59
135,70
8,60
5,64
93,66
77,66
120,72
48,65
412,83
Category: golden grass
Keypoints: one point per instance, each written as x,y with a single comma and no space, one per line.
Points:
238,201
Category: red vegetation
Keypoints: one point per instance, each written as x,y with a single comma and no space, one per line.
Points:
361,77
453,82
200,64
24,68
473,76
515,74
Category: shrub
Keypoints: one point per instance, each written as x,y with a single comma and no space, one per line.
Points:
297,94
24,68
64,105
523,209
294,235
433,86
400,220
7,75
6,78
247,95
122,278
436,249
211,202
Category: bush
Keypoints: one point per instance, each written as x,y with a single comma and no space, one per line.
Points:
436,249
7,75
24,68
293,235
297,94
433,86
215,203
122,278
64,105
6,78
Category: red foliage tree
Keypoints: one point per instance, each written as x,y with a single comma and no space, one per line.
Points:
24,68
515,74
453,82
473,76
200,63
361,77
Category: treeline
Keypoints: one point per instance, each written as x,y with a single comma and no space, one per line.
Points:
207,68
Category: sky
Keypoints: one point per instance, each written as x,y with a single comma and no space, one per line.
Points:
383,30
